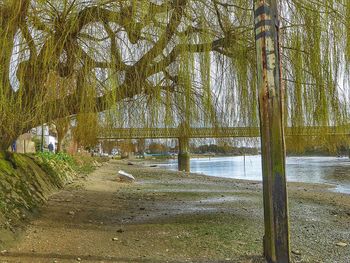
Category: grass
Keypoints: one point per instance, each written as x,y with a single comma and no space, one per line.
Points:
61,157
78,163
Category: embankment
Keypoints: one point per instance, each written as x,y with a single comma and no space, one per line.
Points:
26,182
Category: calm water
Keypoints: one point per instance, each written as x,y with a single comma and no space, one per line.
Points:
326,170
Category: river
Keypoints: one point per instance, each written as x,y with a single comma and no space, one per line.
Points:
334,171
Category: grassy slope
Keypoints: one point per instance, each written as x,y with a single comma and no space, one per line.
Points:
26,181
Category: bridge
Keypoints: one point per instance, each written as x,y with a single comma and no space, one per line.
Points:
184,134
220,132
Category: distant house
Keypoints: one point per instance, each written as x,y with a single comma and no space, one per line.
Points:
44,133
24,144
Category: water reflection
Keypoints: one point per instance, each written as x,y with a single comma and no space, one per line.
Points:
326,170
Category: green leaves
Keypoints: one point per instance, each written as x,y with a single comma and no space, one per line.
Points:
160,62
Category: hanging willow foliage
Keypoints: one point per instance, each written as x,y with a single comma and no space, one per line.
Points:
144,63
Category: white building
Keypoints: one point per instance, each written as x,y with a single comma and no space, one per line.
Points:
43,132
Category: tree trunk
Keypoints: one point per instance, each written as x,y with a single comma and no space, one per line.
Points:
62,127
6,140
61,133
59,143
4,145
276,239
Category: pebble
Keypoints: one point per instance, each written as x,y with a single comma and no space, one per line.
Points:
3,252
78,259
115,239
296,252
341,244
72,213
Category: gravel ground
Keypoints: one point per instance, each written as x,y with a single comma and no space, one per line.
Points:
170,216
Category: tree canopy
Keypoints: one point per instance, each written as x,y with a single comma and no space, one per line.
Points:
165,61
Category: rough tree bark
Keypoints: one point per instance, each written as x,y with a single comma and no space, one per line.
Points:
5,142
62,126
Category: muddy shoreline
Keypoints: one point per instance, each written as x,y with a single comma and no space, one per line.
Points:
168,216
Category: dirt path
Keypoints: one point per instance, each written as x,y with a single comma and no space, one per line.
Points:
169,217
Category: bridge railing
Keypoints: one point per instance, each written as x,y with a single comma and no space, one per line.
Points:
222,132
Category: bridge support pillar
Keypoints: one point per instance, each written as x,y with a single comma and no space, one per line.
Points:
184,155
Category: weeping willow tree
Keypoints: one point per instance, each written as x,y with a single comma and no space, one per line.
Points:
147,63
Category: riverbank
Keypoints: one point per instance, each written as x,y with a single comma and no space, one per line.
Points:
26,183
168,216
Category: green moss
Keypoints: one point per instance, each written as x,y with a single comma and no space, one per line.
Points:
5,166
27,180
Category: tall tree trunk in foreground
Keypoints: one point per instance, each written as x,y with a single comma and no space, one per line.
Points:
276,239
